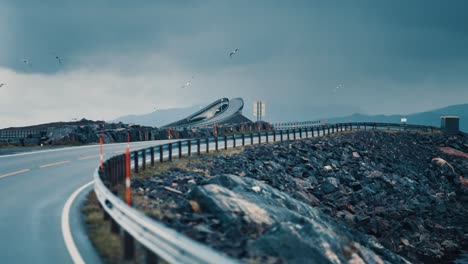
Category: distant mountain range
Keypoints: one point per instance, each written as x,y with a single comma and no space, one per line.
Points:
277,113
431,118
162,117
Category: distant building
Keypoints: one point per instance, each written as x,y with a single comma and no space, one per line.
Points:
450,124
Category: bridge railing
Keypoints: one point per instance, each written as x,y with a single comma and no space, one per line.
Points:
162,242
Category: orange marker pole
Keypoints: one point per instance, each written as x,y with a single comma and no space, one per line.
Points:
101,154
101,150
169,134
128,191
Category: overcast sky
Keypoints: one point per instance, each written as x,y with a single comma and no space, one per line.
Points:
120,58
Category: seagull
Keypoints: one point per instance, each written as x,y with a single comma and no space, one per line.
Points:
27,61
338,87
232,53
59,60
189,83
2,84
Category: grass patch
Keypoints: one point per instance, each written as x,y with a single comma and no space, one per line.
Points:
184,163
107,244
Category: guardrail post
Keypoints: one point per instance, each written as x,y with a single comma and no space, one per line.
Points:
294,133
207,140
123,168
116,169
118,173
169,146
300,132
189,147
161,157
287,134
267,136
115,228
225,142
128,246
234,141
274,135
243,139
150,257
135,160
198,146
180,148
259,138
143,157
105,173
328,129
351,126
251,138
152,156
112,171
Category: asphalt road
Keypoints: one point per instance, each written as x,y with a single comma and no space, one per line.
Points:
33,190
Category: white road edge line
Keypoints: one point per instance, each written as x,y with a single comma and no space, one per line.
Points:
66,232
79,147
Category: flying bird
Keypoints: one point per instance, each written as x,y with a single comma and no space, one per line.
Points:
337,87
27,61
189,83
58,59
2,84
232,53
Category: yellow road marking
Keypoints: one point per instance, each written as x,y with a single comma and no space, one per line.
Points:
14,173
89,157
53,164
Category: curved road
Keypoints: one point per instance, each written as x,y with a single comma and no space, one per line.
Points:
33,190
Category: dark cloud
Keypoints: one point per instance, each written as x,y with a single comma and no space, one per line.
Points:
386,53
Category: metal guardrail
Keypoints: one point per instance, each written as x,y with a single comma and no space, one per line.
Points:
163,242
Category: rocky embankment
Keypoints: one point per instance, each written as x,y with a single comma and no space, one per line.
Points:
360,197
88,132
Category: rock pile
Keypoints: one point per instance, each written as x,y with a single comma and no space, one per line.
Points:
88,132
404,191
